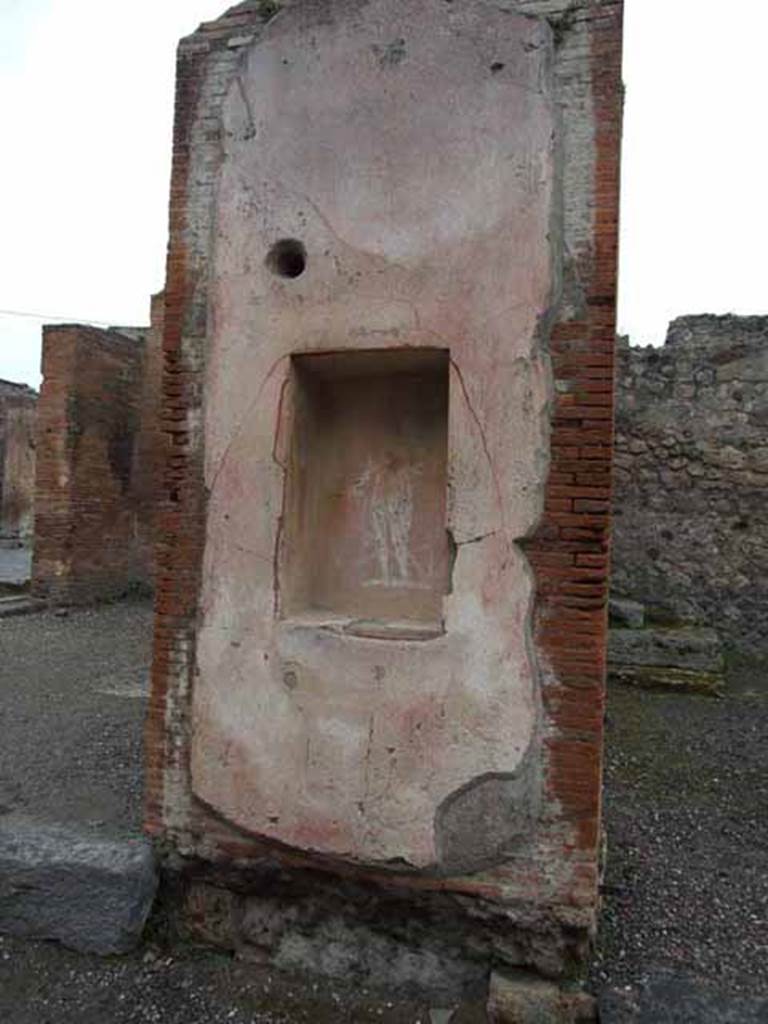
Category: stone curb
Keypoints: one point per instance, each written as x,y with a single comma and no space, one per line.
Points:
20,606
686,660
89,893
689,649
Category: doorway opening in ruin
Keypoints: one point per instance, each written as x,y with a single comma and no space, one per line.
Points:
365,537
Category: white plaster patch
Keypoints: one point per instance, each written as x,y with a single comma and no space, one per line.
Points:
419,182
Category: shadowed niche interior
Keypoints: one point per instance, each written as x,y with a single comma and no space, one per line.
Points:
365,528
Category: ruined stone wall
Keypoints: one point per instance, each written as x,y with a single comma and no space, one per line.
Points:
88,542
17,461
691,476
537,906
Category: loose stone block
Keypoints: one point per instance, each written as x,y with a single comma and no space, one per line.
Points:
91,894
624,612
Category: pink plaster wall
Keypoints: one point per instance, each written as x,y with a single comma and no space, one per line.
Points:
411,150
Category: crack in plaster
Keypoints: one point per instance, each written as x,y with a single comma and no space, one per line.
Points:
475,540
242,422
252,553
368,750
250,131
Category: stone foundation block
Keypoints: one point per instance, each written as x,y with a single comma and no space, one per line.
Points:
523,998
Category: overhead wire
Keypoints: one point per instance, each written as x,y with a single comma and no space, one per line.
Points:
54,317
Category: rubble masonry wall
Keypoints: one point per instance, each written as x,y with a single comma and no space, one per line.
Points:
691,476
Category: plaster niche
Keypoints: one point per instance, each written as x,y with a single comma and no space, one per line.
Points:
376,434
365,527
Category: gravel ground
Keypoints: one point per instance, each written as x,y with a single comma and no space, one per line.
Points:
686,813
685,805
72,697
45,984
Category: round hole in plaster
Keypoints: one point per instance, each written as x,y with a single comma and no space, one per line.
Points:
287,258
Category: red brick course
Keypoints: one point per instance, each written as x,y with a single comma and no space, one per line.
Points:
149,439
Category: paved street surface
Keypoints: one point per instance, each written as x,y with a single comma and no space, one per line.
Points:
684,937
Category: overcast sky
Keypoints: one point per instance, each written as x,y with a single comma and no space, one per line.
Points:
86,89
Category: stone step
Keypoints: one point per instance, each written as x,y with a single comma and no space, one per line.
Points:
19,604
90,893
686,659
